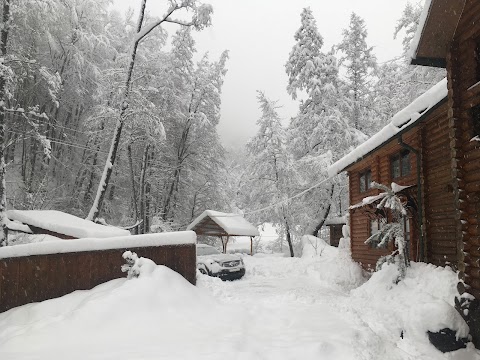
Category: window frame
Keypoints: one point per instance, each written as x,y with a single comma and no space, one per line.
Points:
365,176
403,157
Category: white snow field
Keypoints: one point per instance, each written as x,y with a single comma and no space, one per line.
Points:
315,307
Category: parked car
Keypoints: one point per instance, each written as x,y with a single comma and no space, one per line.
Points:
212,262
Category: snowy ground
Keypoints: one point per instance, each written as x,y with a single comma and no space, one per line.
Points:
283,309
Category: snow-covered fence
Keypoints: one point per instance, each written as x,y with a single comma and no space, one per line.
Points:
40,271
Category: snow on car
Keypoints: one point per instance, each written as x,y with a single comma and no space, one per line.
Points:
212,262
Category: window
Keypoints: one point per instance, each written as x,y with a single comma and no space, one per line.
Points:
365,180
376,225
400,164
406,228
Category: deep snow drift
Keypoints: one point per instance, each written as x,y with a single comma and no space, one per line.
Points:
284,308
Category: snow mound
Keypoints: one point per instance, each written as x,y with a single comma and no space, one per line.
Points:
423,301
137,266
105,322
331,264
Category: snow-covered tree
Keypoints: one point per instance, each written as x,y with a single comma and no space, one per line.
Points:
359,61
320,132
269,171
393,230
199,19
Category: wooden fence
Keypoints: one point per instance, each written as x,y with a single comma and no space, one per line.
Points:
36,278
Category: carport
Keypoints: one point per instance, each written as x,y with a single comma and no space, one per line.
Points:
223,225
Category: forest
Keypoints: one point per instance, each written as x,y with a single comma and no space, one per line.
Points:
108,117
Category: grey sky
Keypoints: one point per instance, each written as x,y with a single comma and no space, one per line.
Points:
259,35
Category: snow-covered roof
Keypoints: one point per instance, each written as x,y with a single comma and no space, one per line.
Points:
233,224
339,220
412,52
91,244
63,223
400,121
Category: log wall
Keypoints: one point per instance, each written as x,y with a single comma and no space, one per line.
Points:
36,278
463,68
379,163
431,138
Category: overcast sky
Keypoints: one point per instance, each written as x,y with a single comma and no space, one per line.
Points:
259,36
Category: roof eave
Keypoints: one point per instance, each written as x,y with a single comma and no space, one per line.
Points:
436,31
420,120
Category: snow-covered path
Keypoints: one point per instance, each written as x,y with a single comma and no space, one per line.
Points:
282,309
289,313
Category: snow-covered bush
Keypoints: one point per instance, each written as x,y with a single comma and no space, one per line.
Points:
137,266
392,231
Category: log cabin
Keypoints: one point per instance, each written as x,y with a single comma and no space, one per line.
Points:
412,150
443,158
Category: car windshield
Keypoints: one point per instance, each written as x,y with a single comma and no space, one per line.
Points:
206,250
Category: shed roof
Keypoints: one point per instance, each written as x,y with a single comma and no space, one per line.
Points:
435,32
401,121
216,223
66,224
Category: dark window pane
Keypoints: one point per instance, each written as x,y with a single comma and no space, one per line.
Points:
475,112
395,167
405,163
368,180
363,184
373,227
406,228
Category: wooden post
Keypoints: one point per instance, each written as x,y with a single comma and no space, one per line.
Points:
251,245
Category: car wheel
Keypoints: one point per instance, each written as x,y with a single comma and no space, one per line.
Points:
203,271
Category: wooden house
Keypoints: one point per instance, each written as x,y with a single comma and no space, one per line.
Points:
450,37
412,149
443,147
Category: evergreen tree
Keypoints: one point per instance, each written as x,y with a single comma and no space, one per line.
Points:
269,170
359,62
320,132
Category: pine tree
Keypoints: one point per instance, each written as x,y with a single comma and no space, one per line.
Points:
392,231
359,62
269,168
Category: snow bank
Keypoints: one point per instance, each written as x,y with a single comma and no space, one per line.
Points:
233,224
64,223
119,319
331,264
406,117
121,242
423,301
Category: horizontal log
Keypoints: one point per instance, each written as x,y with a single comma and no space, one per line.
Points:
473,186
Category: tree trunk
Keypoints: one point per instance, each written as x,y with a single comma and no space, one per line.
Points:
134,189
3,191
289,236
146,216
325,214
107,171
142,187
